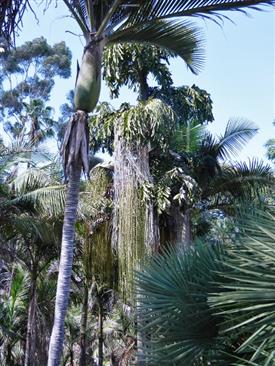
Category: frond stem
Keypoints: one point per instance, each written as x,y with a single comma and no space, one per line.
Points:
108,17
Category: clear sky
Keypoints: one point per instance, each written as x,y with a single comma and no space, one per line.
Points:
238,71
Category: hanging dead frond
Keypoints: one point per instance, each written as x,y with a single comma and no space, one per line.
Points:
75,148
11,14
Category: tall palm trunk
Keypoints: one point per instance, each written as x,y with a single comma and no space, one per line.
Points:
75,151
100,336
65,267
175,228
83,327
31,326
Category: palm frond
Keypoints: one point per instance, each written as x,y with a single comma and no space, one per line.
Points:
182,38
237,133
244,179
172,295
188,138
176,8
49,201
36,187
29,180
247,300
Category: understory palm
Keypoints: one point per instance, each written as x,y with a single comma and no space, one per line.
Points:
223,297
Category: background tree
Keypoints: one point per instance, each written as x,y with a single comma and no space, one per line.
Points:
270,145
27,77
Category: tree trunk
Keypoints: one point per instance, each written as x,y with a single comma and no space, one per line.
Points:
65,266
175,228
135,232
100,336
31,327
83,327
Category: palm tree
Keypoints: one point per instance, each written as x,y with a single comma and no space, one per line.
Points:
246,298
222,295
102,23
201,178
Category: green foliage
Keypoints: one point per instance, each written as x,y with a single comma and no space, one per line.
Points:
13,311
270,145
128,64
180,326
30,72
246,301
222,296
34,64
179,37
152,121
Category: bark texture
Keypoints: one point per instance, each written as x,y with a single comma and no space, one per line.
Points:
83,327
175,228
31,327
65,266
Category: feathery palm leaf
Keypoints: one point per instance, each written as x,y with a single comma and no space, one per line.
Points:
177,8
187,139
243,179
182,38
35,186
237,134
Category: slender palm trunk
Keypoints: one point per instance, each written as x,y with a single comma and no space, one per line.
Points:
83,327
31,327
65,266
100,336
186,229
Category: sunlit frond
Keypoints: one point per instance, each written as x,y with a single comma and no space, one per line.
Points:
182,38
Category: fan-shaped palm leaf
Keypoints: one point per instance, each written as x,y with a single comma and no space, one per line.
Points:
247,301
179,326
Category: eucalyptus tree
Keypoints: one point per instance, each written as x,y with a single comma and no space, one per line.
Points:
28,75
104,23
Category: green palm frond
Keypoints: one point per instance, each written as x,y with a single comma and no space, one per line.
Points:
35,186
13,304
237,133
40,231
175,8
29,180
48,201
187,139
172,293
247,301
182,38
243,179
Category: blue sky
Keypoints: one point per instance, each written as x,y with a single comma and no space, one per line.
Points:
238,71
